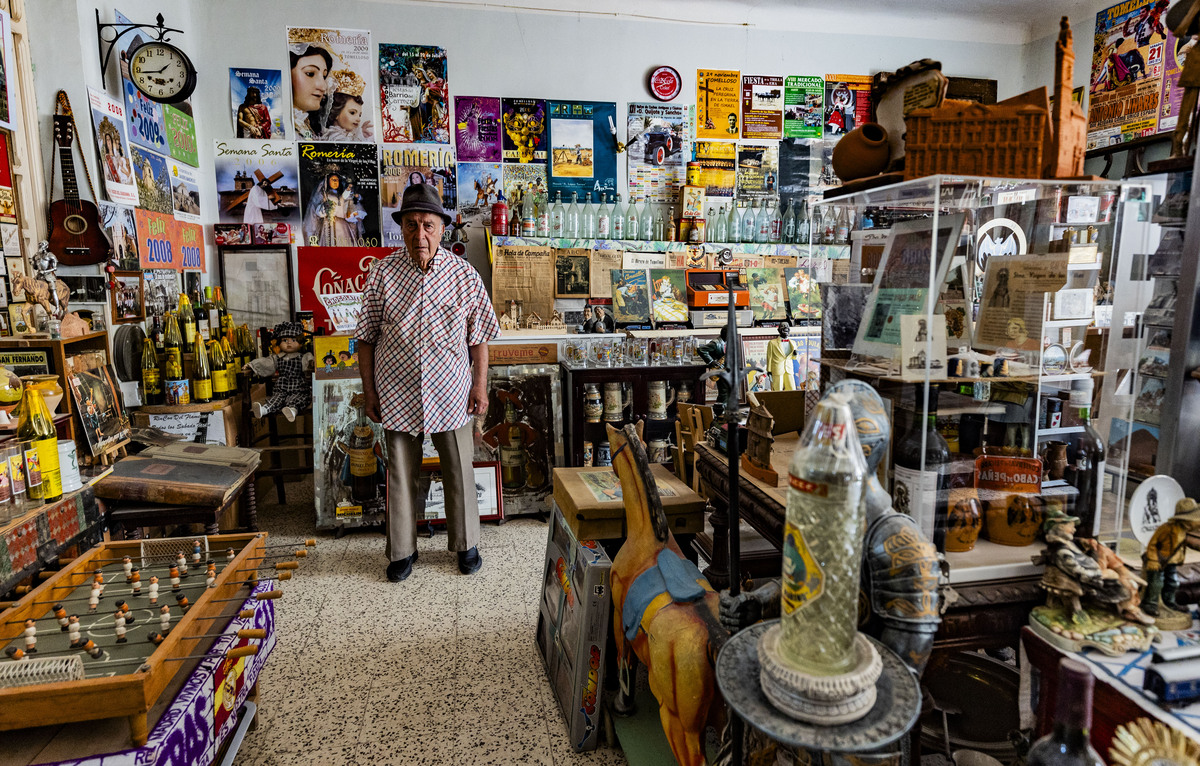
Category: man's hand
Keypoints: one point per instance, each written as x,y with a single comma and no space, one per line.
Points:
477,402
372,408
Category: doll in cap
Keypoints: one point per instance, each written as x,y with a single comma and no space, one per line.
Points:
293,390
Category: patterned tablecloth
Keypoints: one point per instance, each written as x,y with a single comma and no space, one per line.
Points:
41,536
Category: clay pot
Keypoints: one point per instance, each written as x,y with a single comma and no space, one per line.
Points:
48,385
1054,458
964,520
862,152
1013,519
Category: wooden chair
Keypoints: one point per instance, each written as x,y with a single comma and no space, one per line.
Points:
691,423
277,444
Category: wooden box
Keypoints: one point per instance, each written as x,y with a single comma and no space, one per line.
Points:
590,501
180,418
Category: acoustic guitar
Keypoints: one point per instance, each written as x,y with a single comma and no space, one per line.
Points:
76,234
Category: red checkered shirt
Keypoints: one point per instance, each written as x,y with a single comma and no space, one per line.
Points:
421,324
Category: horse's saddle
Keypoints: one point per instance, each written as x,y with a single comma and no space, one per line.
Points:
670,574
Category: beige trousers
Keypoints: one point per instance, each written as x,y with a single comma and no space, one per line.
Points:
455,451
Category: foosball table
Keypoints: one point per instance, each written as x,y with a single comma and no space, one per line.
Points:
106,635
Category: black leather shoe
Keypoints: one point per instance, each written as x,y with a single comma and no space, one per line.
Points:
398,571
469,561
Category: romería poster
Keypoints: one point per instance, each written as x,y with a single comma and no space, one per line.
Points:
181,134
656,151
524,129
1169,103
477,128
479,184
116,167
521,181
415,164
165,243
331,71
257,181
757,171
185,191
847,102
718,167
1128,62
145,120
803,107
332,271
762,106
121,227
153,182
339,194
258,101
718,104
414,94
583,148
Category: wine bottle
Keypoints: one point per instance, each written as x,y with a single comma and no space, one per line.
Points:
224,321
39,440
1068,743
618,219
202,383
231,365
176,384
210,308
173,341
603,218
361,452
220,375
247,351
1085,453
201,316
588,218
919,473
573,225
558,218
152,385
187,323
512,453
646,224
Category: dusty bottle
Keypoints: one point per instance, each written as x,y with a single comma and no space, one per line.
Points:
822,542
803,225
542,214
762,233
35,431
721,232
361,454
187,323
173,341
776,224
152,385
633,221
558,218
512,453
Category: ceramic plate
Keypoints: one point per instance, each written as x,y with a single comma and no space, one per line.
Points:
1054,360
1152,504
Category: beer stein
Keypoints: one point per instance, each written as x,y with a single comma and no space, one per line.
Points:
661,396
603,454
658,450
593,405
601,352
635,352
577,352
616,401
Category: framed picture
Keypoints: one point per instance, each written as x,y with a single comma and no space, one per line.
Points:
101,410
257,282
572,274
161,288
1073,303
128,298
487,493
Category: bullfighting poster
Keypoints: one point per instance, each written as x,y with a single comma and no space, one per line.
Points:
479,183
847,102
1128,62
1171,100
803,107
257,99
762,106
332,271
477,128
331,71
415,164
257,181
583,148
718,104
656,151
339,194
524,130
414,94
108,118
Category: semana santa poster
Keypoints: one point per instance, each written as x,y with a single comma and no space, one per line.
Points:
256,96
656,151
477,128
116,167
583,150
332,270
400,168
331,73
847,102
242,165
762,106
414,94
339,194
524,129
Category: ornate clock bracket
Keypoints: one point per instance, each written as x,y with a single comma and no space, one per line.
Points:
107,36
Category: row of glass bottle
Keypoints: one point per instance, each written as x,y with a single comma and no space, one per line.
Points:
735,224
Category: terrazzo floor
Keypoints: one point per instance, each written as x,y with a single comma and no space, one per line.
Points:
439,669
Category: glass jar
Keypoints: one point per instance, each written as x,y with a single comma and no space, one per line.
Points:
10,390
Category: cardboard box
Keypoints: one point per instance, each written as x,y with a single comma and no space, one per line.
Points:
590,500
573,626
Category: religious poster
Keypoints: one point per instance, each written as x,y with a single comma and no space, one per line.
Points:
153,182
116,169
416,164
656,150
762,106
520,181
121,228
479,183
630,296
331,71
185,191
414,94
477,128
332,270
718,104
258,102
181,134
339,194
583,148
165,243
847,102
145,120
803,107
1128,62
524,130
757,171
257,181
718,167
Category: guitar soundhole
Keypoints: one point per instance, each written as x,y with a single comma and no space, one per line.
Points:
75,224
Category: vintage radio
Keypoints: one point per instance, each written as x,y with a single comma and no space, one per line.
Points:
708,288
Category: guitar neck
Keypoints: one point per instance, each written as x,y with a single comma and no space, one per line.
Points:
70,185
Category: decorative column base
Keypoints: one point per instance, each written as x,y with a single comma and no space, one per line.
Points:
818,699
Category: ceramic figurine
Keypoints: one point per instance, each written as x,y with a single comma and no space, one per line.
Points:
780,353
1160,564
293,390
600,322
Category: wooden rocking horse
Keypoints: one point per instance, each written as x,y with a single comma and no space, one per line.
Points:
664,612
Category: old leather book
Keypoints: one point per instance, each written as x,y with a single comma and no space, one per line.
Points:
165,480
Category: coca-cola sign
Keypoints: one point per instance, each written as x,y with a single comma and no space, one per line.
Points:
664,83
329,270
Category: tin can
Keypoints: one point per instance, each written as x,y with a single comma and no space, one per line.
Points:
694,169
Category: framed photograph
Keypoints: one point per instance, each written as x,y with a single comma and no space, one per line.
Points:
100,408
572,274
1161,310
922,347
487,493
257,282
161,290
85,289
128,298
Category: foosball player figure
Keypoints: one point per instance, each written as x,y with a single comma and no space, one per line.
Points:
229,554
181,564
153,590
137,582
210,577
30,637
90,647
1164,554
182,600
124,607
119,622
98,581
155,638
94,599
127,565
73,632
61,613
174,578
197,552
15,654
164,619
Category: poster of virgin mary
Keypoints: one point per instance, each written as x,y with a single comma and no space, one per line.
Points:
339,192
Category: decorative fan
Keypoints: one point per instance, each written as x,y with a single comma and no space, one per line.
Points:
1150,743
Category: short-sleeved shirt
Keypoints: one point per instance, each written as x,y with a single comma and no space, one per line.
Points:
421,325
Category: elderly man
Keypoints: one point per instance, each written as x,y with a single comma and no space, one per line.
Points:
422,335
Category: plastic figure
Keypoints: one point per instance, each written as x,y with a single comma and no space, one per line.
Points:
293,391
1164,554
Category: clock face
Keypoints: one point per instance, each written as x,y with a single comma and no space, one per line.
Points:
162,72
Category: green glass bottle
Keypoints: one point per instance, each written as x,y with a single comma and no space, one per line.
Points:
187,324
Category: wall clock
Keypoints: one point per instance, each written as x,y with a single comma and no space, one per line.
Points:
162,72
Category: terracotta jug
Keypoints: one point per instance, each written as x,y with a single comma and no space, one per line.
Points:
1013,519
862,152
964,520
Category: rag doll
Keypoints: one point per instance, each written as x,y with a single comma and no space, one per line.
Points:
293,390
